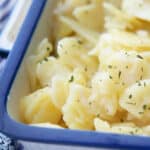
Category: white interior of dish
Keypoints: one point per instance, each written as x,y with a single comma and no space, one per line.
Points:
20,86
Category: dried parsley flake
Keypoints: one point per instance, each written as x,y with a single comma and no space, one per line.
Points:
71,79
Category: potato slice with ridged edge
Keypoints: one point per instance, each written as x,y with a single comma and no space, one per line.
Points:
48,68
75,113
38,107
71,49
121,128
136,100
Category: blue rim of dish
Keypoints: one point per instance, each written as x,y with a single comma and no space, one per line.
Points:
60,136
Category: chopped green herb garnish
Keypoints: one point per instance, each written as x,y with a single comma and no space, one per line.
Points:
80,42
98,115
144,107
142,69
127,67
90,87
144,84
139,56
71,79
131,132
130,96
47,48
141,112
85,69
88,2
119,74
139,84
109,66
131,103
136,130
110,77
90,103
46,59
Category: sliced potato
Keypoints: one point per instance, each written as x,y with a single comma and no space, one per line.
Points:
84,14
59,91
136,100
89,35
44,50
137,8
121,128
48,68
75,113
38,107
126,40
72,50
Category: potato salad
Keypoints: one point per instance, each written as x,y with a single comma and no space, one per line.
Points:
94,71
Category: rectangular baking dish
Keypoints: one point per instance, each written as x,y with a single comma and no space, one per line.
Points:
14,84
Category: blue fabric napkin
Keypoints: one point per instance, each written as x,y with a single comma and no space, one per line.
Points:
6,7
7,143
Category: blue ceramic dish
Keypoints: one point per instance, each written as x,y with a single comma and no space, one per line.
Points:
17,130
